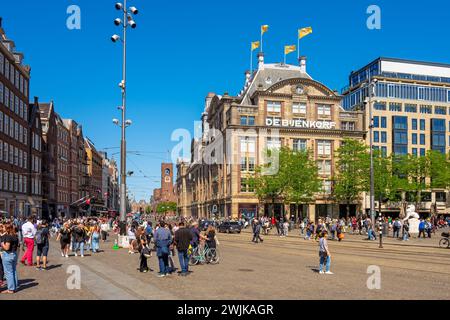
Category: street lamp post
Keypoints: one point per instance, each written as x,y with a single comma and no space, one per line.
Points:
371,93
125,23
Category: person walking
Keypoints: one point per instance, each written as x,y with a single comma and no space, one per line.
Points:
28,233
397,226
421,228
104,227
256,231
182,240
10,243
145,253
324,254
42,244
64,236
405,231
95,239
80,237
163,239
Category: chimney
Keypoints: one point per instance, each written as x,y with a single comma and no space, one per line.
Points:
1,20
261,61
302,62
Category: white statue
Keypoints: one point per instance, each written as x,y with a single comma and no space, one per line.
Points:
413,218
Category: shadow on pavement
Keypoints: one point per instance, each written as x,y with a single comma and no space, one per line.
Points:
26,284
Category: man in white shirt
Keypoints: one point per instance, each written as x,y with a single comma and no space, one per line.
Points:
28,233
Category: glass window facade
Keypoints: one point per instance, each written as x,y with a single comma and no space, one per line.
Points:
438,135
400,135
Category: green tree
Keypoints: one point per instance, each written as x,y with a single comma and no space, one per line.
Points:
385,183
300,174
410,173
352,177
148,210
165,207
439,170
266,184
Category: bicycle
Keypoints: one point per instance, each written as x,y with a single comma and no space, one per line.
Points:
204,254
444,242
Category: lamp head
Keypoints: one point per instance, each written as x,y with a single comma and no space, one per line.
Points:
134,10
115,38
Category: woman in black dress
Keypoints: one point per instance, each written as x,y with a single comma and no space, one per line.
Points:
64,236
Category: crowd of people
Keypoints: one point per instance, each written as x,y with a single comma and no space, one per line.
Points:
167,239
170,237
31,236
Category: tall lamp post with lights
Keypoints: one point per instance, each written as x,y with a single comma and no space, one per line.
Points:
371,85
126,22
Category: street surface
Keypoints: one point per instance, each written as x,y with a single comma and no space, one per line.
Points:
278,268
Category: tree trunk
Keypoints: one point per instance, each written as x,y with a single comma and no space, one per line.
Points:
348,210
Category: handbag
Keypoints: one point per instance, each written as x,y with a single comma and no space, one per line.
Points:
146,252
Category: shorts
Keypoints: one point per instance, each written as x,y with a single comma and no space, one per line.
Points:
42,250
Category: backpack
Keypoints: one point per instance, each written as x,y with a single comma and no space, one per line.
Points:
149,231
39,237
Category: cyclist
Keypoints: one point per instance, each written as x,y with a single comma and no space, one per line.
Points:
211,238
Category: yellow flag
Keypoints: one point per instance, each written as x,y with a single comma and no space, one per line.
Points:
255,45
304,32
264,28
289,49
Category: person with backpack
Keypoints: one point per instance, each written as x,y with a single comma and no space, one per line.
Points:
397,227
43,244
149,232
163,239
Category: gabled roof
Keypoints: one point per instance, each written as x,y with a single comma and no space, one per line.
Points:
271,74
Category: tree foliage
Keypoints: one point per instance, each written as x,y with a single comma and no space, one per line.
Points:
353,171
165,207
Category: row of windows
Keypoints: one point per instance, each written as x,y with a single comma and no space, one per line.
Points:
13,129
63,197
36,164
410,108
13,155
14,182
13,75
378,134
299,108
13,102
247,187
248,145
397,91
36,141
36,186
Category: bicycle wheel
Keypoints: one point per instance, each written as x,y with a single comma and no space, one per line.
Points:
444,243
212,256
193,259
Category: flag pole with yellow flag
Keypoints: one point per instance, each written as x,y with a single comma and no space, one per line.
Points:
287,50
255,45
302,33
264,29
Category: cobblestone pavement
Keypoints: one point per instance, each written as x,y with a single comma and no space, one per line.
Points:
278,268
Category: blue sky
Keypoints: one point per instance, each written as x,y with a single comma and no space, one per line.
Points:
182,50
